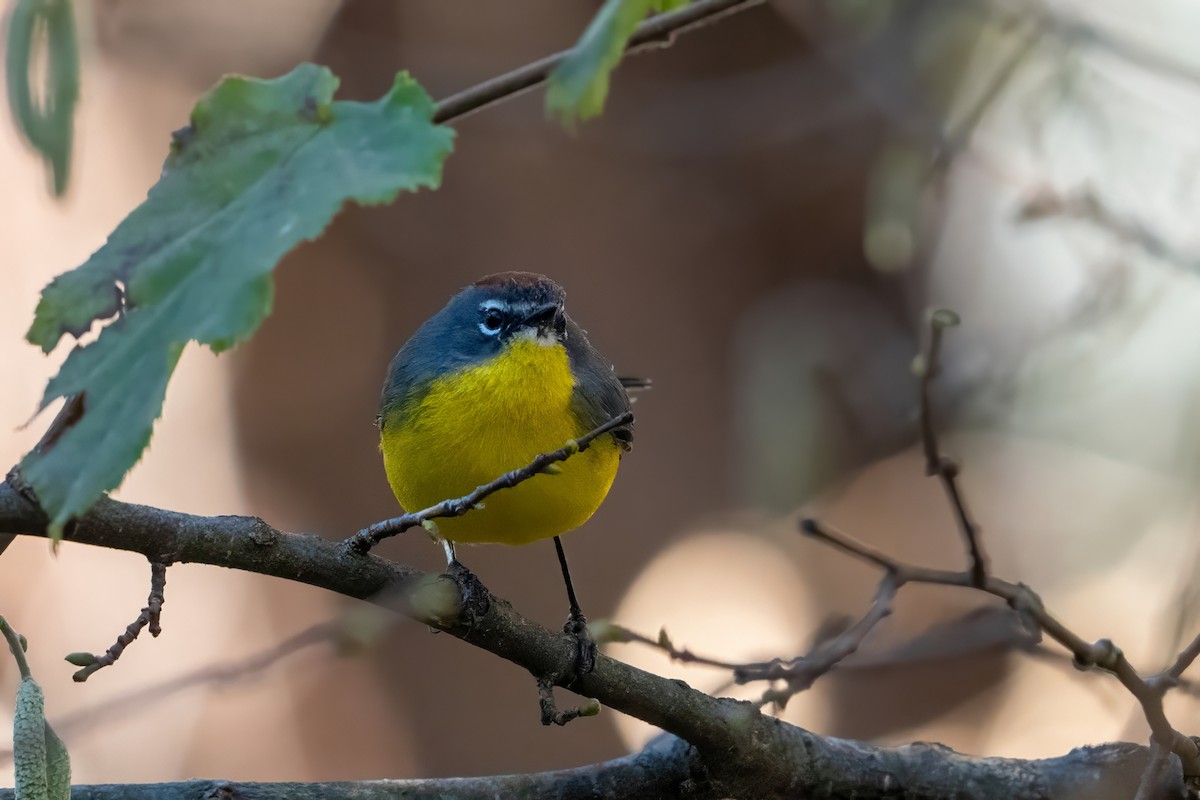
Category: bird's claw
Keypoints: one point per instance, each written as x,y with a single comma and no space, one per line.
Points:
585,645
476,600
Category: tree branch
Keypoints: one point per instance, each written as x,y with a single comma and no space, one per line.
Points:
659,770
744,751
658,31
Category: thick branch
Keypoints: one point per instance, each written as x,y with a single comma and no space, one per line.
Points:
745,751
658,771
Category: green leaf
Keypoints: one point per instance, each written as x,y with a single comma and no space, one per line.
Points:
576,89
50,127
263,166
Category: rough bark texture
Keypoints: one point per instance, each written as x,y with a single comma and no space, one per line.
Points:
734,750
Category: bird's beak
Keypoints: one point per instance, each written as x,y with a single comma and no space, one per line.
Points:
546,319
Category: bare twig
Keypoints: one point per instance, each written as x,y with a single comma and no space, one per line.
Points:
1101,654
935,463
149,616
656,32
1185,659
550,713
956,139
605,632
367,538
1075,30
800,673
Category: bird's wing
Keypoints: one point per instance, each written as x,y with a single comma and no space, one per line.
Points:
599,394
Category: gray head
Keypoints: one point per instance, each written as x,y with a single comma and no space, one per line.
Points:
476,325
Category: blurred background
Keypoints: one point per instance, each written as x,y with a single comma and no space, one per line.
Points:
759,222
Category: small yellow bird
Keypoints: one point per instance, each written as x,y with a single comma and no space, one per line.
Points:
496,377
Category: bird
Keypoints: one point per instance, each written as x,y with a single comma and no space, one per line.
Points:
499,375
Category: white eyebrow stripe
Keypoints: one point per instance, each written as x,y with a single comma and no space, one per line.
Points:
519,308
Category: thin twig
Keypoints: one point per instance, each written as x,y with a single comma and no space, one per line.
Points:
935,463
1075,30
149,616
550,713
1102,654
800,673
956,140
610,632
1185,659
158,585
367,538
656,32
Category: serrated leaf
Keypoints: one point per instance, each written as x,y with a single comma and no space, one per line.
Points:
264,165
29,742
577,88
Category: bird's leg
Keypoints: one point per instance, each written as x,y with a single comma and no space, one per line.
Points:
585,653
475,597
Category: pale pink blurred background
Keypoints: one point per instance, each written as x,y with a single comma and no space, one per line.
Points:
747,225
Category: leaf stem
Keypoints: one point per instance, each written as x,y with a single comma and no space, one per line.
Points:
14,644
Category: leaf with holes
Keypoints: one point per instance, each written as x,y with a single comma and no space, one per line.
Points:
263,166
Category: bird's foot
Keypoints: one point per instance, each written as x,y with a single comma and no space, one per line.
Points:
585,645
476,600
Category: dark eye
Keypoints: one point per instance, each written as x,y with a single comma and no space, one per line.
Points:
493,320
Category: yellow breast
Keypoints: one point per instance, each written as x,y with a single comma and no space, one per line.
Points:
478,423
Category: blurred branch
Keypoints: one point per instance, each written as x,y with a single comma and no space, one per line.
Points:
656,771
1077,31
656,32
1083,204
955,140
223,674
800,673
1185,659
669,768
1102,654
